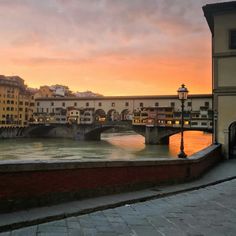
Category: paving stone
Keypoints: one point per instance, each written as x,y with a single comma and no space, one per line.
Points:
52,227
75,232
73,225
51,234
121,228
89,231
115,219
28,231
5,234
146,230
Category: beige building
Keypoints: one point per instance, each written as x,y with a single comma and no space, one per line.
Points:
53,91
16,102
221,18
122,108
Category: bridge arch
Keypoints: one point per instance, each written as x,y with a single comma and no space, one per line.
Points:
164,135
100,115
113,115
124,115
232,140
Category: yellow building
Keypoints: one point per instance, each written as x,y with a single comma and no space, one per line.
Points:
221,18
16,102
44,92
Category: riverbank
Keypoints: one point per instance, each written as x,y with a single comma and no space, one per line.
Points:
27,184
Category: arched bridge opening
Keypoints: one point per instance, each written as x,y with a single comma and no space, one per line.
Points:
161,135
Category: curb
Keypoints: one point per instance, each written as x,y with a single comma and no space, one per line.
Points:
26,223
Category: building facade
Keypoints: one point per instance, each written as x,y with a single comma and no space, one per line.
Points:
221,18
124,108
16,102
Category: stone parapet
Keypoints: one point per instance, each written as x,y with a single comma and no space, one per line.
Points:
25,184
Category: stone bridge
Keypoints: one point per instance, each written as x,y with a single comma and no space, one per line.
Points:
153,135
79,132
160,135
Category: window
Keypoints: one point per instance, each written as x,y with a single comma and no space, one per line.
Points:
206,104
52,104
113,104
172,104
204,123
126,104
157,104
189,104
232,39
75,104
87,104
38,104
141,104
63,104
99,104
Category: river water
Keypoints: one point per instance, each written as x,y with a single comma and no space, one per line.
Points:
113,146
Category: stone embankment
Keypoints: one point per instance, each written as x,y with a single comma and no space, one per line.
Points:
11,132
27,184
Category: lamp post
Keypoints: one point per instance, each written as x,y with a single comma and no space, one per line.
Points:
183,95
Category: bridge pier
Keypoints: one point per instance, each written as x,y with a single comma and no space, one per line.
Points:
83,134
153,136
150,135
164,140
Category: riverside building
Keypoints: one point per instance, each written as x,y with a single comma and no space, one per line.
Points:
221,18
16,102
198,108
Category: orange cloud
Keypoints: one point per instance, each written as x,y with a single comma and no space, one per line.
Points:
113,47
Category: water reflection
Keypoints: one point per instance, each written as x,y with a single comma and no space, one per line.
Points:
113,146
194,141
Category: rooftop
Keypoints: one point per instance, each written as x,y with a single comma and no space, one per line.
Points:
217,8
123,97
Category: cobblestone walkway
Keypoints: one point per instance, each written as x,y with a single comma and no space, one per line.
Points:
208,211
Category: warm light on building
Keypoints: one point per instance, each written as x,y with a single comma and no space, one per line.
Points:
16,102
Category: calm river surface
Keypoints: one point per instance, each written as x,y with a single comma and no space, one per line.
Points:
113,146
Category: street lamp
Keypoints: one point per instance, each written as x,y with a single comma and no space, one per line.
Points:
183,95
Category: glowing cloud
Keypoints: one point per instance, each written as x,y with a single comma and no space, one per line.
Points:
112,47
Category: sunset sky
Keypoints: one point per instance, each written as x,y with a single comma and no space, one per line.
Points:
112,47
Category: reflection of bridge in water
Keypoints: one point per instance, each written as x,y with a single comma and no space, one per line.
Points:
153,135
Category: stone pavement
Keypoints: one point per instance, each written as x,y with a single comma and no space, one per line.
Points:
202,211
208,211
